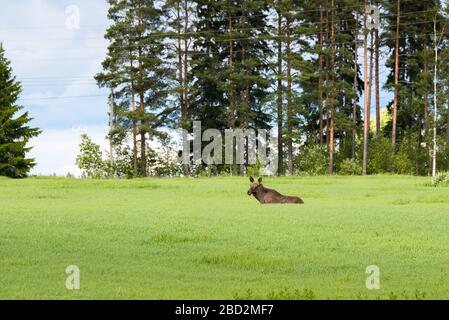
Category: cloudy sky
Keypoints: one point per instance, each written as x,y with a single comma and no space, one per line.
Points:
55,48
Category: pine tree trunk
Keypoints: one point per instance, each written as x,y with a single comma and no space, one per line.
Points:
231,64
186,168
143,153
366,93
426,101
332,120
327,68
186,53
245,103
320,75
356,66
426,120
231,111
377,82
185,85
134,125
279,99
396,80
289,101
370,81
447,126
111,128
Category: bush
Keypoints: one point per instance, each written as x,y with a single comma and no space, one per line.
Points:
441,179
403,164
313,160
380,160
90,160
350,167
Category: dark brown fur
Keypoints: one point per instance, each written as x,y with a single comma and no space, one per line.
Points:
269,196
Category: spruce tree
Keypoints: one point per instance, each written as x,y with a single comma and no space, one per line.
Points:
15,132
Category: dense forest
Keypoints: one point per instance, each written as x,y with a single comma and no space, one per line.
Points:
348,86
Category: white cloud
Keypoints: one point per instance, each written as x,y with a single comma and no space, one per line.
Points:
53,61
55,150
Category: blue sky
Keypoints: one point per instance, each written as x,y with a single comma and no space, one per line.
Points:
56,64
54,61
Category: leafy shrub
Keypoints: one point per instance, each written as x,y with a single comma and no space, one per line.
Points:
89,159
255,169
380,155
313,160
412,157
441,179
350,167
403,164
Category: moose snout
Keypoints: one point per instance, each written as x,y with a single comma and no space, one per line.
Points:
249,192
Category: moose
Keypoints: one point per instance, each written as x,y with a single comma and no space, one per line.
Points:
269,196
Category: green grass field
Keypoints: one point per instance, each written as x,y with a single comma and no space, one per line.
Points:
206,239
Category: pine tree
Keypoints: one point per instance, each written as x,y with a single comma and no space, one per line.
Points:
179,15
134,68
408,36
229,65
14,130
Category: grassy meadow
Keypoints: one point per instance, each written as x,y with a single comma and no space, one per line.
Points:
206,239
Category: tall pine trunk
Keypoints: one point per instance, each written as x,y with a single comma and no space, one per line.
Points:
243,125
396,80
356,68
143,153
371,64
184,79
279,98
134,124
370,88
186,57
447,126
327,68
182,103
320,74
332,120
231,65
111,128
376,33
366,93
231,110
289,100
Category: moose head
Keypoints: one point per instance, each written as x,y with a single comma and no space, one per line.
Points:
254,186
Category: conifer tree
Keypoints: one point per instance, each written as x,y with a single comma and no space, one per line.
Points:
15,132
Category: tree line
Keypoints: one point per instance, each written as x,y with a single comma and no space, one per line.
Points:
344,94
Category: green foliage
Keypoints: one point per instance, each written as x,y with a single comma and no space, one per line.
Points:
164,162
442,179
380,155
411,157
254,170
14,130
350,167
90,159
403,164
134,69
312,160
227,64
123,162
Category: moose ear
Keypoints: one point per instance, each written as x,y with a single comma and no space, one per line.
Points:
260,180
251,179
